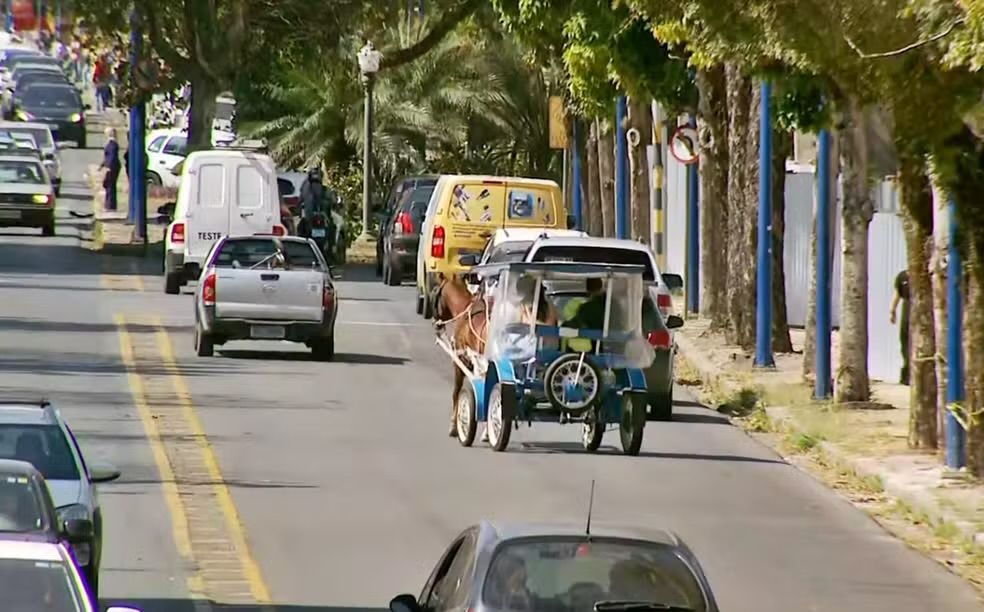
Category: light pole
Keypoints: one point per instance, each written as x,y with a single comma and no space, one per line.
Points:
369,59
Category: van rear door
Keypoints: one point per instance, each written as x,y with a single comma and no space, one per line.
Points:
208,210
476,210
532,205
252,205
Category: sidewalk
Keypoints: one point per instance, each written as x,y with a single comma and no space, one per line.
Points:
861,451
111,231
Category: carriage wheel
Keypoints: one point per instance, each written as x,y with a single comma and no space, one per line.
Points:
592,435
500,421
465,418
633,422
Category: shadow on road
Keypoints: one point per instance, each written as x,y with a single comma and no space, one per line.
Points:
43,325
704,416
351,358
232,484
42,257
187,605
548,448
87,364
359,273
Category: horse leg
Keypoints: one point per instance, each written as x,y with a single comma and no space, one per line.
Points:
459,381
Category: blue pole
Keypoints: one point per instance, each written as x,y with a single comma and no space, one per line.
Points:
576,174
693,234
955,435
10,15
135,128
621,170
763,302
822,388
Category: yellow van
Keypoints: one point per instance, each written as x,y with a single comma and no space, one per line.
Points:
465,211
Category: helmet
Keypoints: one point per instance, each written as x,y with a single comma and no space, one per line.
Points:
314,174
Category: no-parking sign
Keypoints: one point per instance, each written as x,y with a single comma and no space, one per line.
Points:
684,145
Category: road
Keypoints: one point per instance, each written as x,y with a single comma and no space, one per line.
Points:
261,475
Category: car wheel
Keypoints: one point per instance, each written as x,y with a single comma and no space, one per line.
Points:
380,266
172,283
154,179
48,229
661,406
323,349
420,304
391,274
204,346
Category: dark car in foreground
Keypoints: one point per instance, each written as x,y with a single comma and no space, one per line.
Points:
59,106
559,568
399,227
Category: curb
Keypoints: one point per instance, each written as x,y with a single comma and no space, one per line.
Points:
920,500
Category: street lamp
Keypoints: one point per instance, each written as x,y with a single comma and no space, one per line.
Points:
369,60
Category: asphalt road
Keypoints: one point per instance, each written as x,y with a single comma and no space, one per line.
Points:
259,474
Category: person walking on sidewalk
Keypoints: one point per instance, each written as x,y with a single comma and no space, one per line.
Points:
902,296
111,163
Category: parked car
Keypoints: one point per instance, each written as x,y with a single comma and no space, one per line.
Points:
37,433
60,107
228,192
399,227
50,152
462,215
165,150
500,566
27,198
266,288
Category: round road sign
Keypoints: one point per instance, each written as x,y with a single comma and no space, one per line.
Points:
683,145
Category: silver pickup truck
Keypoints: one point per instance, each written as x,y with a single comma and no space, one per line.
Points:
265,288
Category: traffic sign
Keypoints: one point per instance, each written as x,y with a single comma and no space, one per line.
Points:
558,123
684,145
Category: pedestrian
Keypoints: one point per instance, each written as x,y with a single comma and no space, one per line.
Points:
902,296
111,163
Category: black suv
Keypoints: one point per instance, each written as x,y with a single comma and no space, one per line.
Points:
399,227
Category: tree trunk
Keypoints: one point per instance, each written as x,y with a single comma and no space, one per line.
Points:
606,171
782,149
937,267
917,216
202,112
851,380
640,119
712,127
974,350
593,224
742,218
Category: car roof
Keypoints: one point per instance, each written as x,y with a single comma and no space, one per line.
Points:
527,234
597,242
165,132
479,178
267,237
25,413
230,153
503,530
31,549
13,466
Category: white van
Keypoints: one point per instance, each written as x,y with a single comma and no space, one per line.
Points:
222,193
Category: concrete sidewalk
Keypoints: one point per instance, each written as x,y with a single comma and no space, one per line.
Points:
866,443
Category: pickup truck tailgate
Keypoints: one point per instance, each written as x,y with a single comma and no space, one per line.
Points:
269,295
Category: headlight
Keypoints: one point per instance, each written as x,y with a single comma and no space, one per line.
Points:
24,115
41,198
75,117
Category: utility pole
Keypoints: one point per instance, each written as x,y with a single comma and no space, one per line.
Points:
955,435
576,174
763,302
137,166
693,234
823,386
621,170
659,216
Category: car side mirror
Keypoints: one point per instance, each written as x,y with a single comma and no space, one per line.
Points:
103,473
674,322
87,106
167,210
49,156
77,530
469,259
404,603
673,282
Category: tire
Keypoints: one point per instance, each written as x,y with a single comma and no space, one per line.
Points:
428,307
633,422
154,179
661,406
390,276
466,423
500,421
380,265
172,283
420,304
204,346
324,348
591,438
48,229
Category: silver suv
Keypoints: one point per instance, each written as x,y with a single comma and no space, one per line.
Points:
37,433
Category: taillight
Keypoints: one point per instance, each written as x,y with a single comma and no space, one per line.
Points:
279,230
660,339
318,221
437,243
664,302
208,290
292,200
178,232
328,298
403,223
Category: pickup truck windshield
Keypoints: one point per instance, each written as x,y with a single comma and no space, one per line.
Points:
248,252
604,255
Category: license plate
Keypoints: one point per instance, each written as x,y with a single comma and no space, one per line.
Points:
317,233
267,332
10,214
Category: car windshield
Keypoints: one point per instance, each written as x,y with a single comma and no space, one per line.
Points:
37,586
224,110
40,135
593,254
44,96
249,252
17,171
510,251
44,446
20,509
570,575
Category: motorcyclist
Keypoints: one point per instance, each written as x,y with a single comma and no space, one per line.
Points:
315,198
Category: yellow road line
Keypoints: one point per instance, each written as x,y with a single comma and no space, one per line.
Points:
250,567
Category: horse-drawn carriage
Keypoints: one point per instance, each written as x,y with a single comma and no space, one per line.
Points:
538,356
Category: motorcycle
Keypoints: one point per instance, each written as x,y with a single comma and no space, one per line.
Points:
319,228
